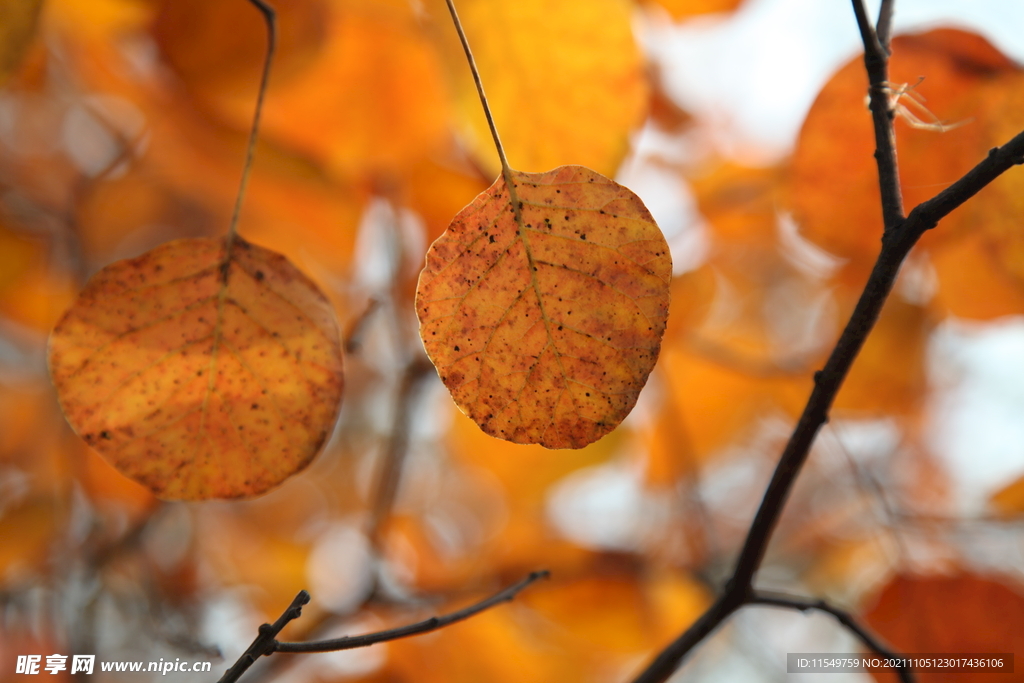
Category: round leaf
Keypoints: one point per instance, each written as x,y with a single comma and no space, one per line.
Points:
197,375
545,329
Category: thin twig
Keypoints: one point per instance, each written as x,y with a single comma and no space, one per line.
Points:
432,624
265,642
876,62
353,339
480,91
270,17
416,370
803,604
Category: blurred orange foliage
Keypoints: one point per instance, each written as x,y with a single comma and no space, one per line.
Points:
123,126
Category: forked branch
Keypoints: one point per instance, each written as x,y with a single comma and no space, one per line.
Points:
901,234
266,642
843,617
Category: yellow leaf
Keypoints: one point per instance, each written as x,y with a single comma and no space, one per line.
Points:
193,387
545,331
565,81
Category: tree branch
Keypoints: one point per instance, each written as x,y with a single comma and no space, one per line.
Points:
895,246
803,604
900,236
884,26
431,624
265,642
876,62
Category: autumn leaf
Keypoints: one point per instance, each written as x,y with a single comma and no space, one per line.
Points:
193,387
545,332
565,81
949,614
371,102
962,74
18,21
971,281
889,375
218,46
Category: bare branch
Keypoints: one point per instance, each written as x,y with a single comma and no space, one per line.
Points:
265,642
416,370
884,26
876,62
896,244
431,624
803,604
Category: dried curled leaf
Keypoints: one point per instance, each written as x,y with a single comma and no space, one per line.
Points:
545,328
197,375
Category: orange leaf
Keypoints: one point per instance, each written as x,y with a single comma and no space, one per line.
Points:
835,195
195,388
18,21
215,46
29,527
972,280
889,375
545,329
1009,500
385,106
950,614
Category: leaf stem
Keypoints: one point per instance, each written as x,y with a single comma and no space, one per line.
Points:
270,17
505,169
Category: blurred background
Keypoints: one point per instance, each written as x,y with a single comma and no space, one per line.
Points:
743,127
